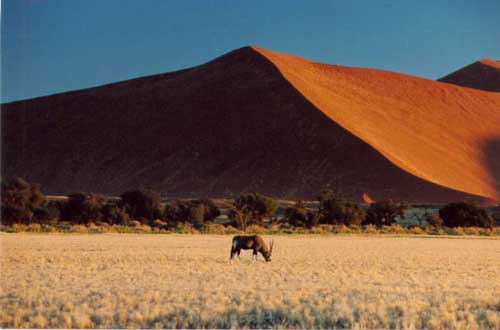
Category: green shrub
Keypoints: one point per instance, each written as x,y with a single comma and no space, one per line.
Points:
434,220
337,209
145,204
115,214
197,212
82,208
211,211
299,216
197,215
19,200
465,214
251,208
176,211
47,213
384,212
296,216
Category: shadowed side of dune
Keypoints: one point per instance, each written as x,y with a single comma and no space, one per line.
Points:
492,152
483,74
234,124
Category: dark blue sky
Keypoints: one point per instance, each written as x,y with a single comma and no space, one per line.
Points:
58,45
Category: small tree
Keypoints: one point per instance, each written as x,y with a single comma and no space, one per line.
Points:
83,207
115,214
465,214
48,213
196,212
20,200
177,211
144,204
211,210
385,212
240,217
335,208
251,207
258,205
197,215
299,216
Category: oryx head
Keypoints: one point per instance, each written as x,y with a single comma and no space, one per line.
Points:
267,255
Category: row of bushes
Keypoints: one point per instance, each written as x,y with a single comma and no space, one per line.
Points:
24,203
339,210
219,229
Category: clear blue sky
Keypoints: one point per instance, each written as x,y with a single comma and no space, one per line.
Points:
51,46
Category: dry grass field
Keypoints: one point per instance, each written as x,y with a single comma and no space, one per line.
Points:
186,281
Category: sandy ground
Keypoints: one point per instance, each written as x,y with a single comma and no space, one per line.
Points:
187,281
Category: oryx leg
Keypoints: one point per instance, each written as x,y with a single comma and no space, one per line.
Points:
232,254
234,250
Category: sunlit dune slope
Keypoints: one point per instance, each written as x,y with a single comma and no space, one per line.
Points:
257,120
442,133
483,74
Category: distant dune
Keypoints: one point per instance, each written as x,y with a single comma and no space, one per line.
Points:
258,120
483,74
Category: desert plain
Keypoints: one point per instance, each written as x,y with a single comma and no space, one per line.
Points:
187,281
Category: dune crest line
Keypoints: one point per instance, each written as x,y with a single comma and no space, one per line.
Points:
259,120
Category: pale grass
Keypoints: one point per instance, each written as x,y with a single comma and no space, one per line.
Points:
157,281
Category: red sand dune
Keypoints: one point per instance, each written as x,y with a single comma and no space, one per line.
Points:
483,74
430,129
257,120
